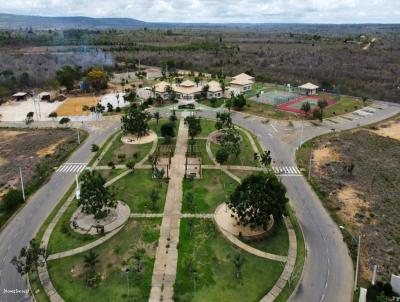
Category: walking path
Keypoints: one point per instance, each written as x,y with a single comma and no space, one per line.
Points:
164,273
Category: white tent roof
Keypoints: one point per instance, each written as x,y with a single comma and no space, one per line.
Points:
20,94
309,86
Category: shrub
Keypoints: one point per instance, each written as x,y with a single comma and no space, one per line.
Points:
95,148
12,200
168,129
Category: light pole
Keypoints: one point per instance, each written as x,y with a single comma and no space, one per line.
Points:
358,255
22,184
79,138
309,165
78,191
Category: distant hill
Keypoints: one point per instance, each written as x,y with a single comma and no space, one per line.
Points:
38,22
11,21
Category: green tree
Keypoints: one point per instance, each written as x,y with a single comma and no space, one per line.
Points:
222,156
224,120
64,120
95,148
29,258
258,197
239,101
135,122
154,198
29,118
53,115
67,75
12,199
194,124
90,261
95,199
364,100
168,129
305,107
156,116
238,261
231,141
138,256
322,104
229,103
159,175
265,158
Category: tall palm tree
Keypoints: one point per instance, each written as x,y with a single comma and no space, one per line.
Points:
238,261
90,260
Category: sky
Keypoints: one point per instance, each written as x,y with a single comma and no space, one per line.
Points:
217,11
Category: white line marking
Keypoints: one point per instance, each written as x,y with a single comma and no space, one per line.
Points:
273,127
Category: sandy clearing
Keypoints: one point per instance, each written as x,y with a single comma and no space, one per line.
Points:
49,150
325,155
351,204
390,129
8,134
17,111
134,140
73,106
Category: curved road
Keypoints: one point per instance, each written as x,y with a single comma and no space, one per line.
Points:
328,272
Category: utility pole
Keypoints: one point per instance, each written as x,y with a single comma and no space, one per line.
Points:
358,263
309,166
301,133
22,184
78,191
38,101
79,138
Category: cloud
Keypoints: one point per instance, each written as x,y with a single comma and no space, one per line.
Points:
252,11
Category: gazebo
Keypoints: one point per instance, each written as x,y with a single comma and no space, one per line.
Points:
309,88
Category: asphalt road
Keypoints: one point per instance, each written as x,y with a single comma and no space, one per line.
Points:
23,227
328,272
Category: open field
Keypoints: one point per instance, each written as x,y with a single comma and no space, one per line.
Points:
73,106
356,173
16,111
42,151
117,254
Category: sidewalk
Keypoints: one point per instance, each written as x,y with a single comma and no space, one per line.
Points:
164,273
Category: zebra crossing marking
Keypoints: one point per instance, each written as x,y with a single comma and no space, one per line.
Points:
71,168
286,170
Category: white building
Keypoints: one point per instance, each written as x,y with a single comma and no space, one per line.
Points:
242,82
309,88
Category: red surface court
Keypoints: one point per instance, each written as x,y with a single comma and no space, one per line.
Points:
294,105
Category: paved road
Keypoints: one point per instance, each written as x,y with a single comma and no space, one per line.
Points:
23,227
328,272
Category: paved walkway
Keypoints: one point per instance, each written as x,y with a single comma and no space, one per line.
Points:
164,273
185,215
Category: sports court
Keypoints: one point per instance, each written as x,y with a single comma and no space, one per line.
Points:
295,104
277,97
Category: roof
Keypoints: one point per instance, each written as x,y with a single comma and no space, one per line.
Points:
187,83
243,76
186,89
42,94
161,87
214,86
309,86
20,94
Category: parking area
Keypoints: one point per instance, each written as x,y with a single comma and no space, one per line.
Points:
14,111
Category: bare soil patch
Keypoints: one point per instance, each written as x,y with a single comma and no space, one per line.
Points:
356,174
73,106
390,129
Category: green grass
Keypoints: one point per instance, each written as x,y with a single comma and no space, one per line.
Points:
63,237
345,105
276,243
210,191
205,251
135,189
37,287
156,127
267,111
246,156
218,103
114,255
207,126
110,173
134,153
298,267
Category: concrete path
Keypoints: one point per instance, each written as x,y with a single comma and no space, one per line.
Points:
164,273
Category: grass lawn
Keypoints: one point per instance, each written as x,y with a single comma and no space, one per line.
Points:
115,255
277,243
120,153
206,272
213,104
210,191
207,126
110,173
156,127
241,173
63,237
135,189
345,105
246,156
267,111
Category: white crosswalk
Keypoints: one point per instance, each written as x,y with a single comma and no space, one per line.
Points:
71,168
281,170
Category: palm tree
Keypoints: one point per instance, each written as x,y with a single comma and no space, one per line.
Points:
138,256
156,115
90,260
364,100
223,86
305,107
238,261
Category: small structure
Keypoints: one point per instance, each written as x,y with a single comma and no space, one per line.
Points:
242,82
214,90
160,89
45,96
20,96
187,90
309,89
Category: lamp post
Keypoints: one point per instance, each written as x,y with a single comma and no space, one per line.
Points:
78,191
22,184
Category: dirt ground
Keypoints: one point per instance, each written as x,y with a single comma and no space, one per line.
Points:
26,149
365,199
73,106
390,129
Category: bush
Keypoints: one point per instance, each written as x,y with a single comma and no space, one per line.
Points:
173,118
12,200
168,129
95,148
222,156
